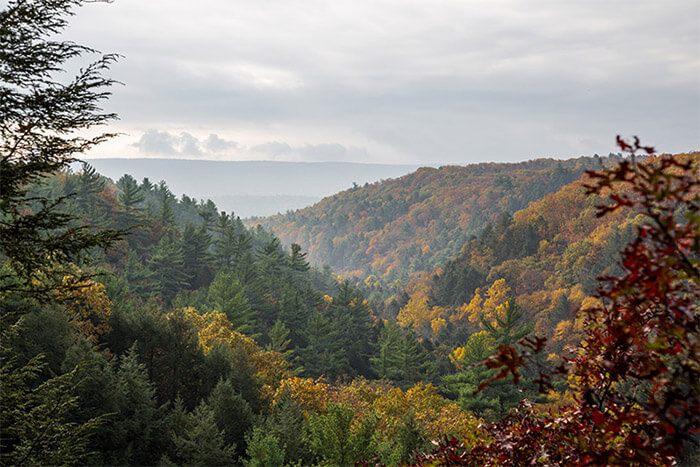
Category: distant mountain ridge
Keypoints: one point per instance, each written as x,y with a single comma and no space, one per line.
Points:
252,188
417,222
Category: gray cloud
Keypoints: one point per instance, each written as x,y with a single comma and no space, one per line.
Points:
163,143
457,80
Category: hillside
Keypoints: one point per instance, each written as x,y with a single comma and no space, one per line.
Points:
547,257
419,221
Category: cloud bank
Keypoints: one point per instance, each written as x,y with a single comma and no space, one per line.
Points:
413,81
184,145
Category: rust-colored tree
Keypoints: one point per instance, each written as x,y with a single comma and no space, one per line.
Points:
636,373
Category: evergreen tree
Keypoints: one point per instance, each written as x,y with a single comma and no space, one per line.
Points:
201,442
225,242
337,441
42,121
278,340
297,260
166,214
208,212
135,430
227,296
288,425
324,354
497,399
196,259
400,357
232,413
351,321
167,266
41,117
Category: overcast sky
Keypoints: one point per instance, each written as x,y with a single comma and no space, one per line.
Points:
397,81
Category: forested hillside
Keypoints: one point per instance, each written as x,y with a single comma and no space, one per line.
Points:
141,328
417,222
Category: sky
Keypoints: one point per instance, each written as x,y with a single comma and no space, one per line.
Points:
406,81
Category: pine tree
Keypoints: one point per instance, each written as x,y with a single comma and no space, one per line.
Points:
196,258
202,442
167,266
131,195
135,426
232,413
227,296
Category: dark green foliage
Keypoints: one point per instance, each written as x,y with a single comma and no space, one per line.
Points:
45,331
288,425
35,418
226,295
232,413
167,266
39,118
278,341
169,348
400,357
351,322
232,365
195,255
409,440
131,195
324,353
199,441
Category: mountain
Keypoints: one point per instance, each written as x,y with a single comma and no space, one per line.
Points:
414,223
252,188
547,257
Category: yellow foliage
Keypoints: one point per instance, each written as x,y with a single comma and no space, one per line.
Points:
310,395
496,299
457,356
415,312
88,304
562,331
478,347
270,367
437,325
468,311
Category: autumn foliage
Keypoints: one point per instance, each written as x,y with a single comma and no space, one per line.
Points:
636,373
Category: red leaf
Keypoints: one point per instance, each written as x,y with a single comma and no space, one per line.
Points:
598,417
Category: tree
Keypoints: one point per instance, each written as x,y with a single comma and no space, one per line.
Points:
195,247
400,356
232,413
636,371
167,267
351,320
40,118
263,449
337,441
201,442
227,296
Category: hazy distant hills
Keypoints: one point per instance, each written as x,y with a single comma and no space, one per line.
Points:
419,221
252,188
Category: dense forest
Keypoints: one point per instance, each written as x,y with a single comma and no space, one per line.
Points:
139,328
394,228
